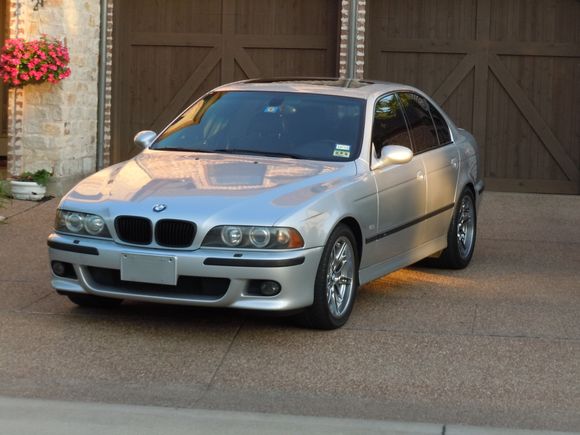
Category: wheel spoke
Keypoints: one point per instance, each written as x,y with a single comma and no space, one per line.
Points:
338,297
339,277
465,226
330,296
341,253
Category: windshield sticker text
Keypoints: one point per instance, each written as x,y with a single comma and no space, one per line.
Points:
340,153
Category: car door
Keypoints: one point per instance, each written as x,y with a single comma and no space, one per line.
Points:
432,141
401,188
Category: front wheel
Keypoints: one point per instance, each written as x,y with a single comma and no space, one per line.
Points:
336,281
461,235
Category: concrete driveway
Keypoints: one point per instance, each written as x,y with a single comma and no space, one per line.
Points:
497,344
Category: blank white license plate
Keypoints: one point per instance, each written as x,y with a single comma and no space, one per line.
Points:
155,269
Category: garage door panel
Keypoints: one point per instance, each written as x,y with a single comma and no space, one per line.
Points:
424,19
280,62
519,79
168,53
283,17
515,150
535,21
159,73
424,70
548,82
239,73
459,105
175,16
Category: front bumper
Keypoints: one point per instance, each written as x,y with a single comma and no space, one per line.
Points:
295,271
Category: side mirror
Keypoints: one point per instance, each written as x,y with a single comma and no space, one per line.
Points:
144,138
392,155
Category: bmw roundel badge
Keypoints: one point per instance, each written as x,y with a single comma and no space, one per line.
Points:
158,208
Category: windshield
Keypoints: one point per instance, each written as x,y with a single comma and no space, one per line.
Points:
285,124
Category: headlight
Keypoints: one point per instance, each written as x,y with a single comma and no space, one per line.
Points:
232,236
259,236
81,223
94,224
74,222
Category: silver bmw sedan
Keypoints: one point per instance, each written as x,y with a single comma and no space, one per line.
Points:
281,195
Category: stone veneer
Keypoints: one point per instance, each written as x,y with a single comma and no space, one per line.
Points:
360,37
55,126
108,85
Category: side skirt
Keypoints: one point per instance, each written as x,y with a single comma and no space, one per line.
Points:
406,259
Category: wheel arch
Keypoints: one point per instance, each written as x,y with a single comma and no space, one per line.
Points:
471,188
354,226
462,184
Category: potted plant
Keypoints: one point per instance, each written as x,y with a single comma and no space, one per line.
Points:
31,62
30,186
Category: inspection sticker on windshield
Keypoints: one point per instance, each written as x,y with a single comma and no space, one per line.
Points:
272,109
341,151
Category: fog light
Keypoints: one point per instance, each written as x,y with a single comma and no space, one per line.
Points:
270,288
65,270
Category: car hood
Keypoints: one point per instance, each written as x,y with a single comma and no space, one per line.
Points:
223,188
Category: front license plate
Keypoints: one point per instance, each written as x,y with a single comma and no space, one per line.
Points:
153,269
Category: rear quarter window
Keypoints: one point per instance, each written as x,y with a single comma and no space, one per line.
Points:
420,122
440,126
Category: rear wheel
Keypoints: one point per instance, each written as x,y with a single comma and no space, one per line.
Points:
91,301
461,235
336,282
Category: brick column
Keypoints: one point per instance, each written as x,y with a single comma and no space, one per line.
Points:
109,84
15,100
360,23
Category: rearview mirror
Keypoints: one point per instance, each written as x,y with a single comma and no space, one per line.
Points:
144,138
392,155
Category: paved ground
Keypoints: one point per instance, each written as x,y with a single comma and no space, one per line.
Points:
497,344
84,418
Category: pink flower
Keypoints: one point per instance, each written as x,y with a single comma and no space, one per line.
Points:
23,62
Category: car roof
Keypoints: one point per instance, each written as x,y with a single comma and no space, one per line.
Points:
318,85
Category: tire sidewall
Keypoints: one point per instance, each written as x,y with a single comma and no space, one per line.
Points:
320,307
452,243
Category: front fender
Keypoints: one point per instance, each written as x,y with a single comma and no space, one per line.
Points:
356,200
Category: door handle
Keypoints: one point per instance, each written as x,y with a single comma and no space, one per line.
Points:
420,175
454,163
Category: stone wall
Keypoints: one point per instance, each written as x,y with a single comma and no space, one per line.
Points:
56,125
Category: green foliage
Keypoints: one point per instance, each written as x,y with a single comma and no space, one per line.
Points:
3,193
40,177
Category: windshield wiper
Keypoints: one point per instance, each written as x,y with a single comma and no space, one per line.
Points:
182,149
257,153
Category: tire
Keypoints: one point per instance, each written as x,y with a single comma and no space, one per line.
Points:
461,234
90,301
336,284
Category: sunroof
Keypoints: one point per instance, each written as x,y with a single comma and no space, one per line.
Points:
335,82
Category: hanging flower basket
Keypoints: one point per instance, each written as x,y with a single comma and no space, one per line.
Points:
32,62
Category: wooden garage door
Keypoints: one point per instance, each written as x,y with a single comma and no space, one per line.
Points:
507,70
167,53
